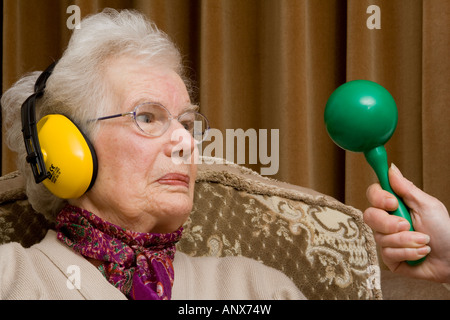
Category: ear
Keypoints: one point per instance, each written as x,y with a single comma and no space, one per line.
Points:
68,155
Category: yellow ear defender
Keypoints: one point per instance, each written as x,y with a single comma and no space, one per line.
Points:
60,155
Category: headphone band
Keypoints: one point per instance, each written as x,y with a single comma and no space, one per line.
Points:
41,81
29,130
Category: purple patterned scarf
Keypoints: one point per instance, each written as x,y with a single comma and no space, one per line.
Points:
138,264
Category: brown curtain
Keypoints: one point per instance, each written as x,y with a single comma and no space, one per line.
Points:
272,64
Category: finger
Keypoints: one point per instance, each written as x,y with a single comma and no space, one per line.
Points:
380,198
382,222
392,256
404,239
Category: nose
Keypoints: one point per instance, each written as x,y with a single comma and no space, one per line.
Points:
181,145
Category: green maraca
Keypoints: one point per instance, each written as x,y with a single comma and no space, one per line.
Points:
361,116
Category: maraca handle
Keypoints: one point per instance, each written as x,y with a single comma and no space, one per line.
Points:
377,158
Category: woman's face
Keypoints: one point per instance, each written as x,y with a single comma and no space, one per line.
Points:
139,186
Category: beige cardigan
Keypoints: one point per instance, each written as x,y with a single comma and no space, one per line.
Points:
51,270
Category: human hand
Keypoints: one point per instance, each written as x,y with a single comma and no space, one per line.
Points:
431,223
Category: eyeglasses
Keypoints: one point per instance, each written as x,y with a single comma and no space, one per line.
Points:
153,119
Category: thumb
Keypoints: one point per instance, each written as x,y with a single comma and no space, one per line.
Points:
404,188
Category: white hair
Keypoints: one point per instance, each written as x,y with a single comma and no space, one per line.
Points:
77,88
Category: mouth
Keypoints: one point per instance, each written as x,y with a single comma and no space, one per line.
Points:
175,179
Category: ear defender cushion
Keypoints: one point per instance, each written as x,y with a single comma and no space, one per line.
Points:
69,157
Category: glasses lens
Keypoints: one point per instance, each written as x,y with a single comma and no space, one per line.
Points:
152,119
195,123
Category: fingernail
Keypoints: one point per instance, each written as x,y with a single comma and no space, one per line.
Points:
423,239
396,170
391,202
424,251
403,225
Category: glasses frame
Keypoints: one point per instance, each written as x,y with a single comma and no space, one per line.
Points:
133,114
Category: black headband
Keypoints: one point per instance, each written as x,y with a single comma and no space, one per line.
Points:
29,130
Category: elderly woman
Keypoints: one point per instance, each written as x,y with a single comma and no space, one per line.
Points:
121,82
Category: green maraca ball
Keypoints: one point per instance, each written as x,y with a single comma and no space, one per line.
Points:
360,115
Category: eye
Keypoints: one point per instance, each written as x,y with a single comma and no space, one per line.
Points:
187,121
188,125
146,117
